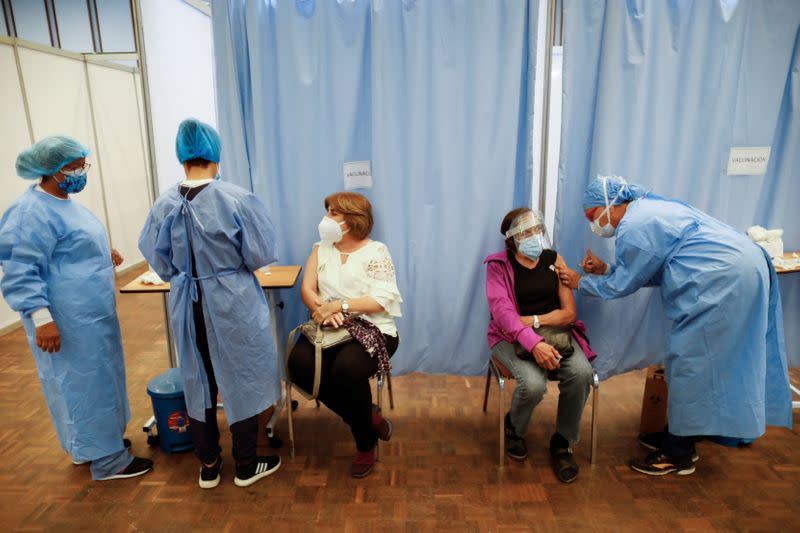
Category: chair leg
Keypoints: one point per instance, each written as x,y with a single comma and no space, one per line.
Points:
501,383
595,395
391,395
379,387
290,417
486,390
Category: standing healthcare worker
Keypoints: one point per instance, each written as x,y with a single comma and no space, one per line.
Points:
725,360
207,237
58,273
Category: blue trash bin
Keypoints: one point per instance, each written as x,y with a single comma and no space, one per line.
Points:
169,408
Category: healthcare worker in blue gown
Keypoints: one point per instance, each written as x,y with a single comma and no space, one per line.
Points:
207,236
725,359
58,273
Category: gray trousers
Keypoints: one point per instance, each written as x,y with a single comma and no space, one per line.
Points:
574,381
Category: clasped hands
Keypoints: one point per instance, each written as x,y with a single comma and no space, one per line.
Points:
328,313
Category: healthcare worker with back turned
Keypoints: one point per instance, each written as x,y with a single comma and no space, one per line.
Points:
58,273
207,237
725,359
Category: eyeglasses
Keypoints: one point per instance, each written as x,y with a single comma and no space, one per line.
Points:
76,171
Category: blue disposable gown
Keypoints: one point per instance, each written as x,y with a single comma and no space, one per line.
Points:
55,254
725,359
231,235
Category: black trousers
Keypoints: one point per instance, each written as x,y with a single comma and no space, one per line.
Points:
677,445
205,433
344,383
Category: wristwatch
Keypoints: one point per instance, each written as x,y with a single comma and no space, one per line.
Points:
536,323
345,307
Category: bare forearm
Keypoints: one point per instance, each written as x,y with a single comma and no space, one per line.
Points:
364,304
559,317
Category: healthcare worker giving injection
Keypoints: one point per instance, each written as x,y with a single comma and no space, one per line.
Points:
58,273
207,237
725,361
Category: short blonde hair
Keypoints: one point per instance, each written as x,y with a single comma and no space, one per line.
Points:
356,209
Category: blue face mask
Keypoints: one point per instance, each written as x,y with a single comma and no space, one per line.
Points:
73,183
531,247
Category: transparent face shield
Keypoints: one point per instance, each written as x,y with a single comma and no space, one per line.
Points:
527,225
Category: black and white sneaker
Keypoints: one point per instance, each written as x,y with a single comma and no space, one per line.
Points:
658,463
210,475
138,466
653,441
265,466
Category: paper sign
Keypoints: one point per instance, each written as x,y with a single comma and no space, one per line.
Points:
748,161
357,175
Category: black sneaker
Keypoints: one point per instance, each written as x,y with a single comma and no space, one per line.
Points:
264,467
138,466
658,463
564,465
209,475
515,445
653,441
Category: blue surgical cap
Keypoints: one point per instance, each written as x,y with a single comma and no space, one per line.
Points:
618,190
197,140
48,156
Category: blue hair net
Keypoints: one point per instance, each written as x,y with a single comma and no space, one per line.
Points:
197,139
618,190
48,156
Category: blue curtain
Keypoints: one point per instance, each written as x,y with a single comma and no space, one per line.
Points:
437,95
658,92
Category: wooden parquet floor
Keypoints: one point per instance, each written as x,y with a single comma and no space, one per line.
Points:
437,474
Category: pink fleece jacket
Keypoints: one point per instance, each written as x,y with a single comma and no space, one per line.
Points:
505,324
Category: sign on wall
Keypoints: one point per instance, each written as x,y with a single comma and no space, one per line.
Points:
748,161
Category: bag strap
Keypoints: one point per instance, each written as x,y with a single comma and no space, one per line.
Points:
317,359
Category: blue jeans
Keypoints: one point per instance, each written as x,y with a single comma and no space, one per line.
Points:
574,380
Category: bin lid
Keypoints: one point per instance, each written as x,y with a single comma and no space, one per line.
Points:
168,383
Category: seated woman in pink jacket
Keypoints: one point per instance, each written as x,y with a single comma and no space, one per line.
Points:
533,333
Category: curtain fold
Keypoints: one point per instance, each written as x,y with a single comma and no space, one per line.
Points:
437,95
659,92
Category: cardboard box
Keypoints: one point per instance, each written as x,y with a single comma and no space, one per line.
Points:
654,401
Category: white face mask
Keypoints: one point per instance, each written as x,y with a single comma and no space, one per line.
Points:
606,230
330,230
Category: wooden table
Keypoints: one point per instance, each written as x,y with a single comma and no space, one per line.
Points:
789,256
276,277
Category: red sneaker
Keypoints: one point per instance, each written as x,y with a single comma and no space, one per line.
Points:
382,426
363,463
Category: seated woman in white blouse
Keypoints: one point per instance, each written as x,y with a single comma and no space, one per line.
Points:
349,277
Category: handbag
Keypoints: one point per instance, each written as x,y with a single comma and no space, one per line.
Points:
559,337
322,338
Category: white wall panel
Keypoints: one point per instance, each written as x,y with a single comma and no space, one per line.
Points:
179,53
13,139
121,156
